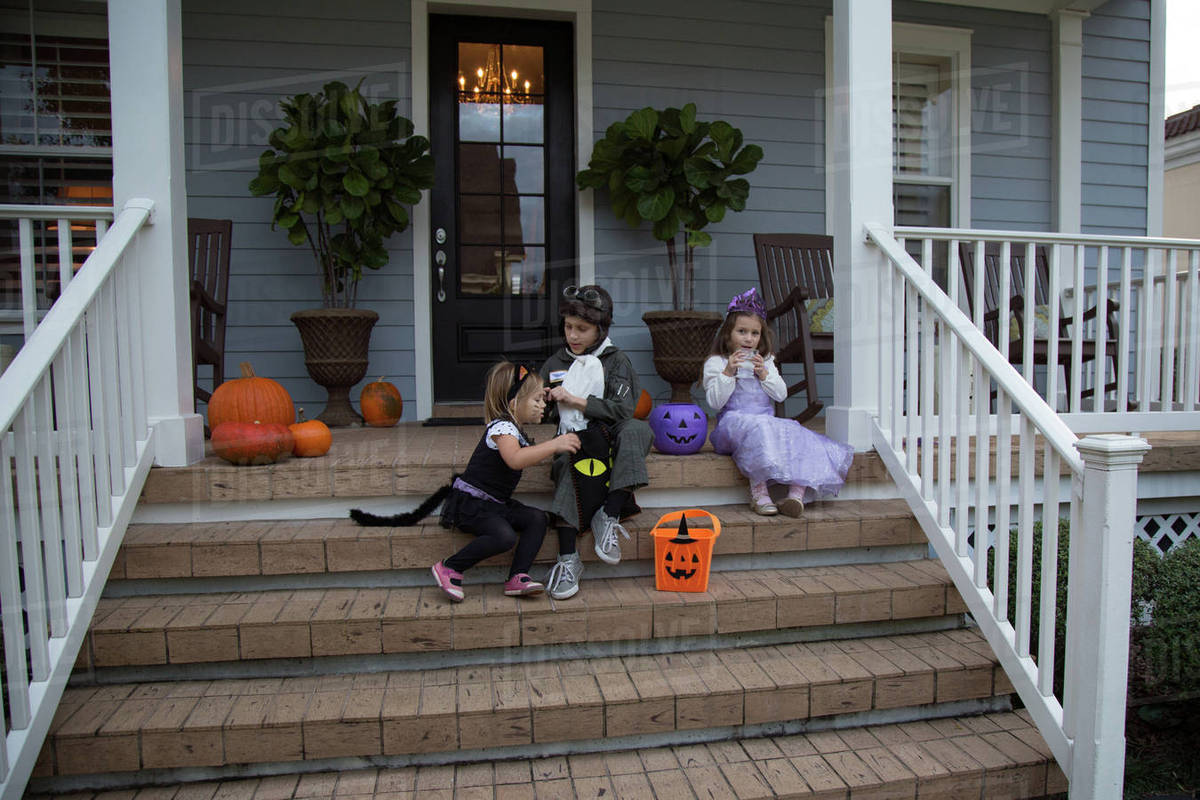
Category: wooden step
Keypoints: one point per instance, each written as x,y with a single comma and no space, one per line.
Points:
957,758
412,460
202,723
296,547
188,629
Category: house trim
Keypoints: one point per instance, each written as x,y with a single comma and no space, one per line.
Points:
1067,184
1182,151
578,12
1156,118
933,40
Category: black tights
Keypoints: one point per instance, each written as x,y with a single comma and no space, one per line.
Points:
518,526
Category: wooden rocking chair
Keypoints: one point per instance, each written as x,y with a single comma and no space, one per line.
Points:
208,257
1019,296
794,268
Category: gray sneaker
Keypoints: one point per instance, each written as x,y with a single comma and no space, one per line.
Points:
563,581
605,530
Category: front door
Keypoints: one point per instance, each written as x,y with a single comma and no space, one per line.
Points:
503,204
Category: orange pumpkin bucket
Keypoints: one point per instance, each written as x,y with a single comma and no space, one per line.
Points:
683,550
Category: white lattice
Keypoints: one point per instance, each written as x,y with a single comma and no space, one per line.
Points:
1168,531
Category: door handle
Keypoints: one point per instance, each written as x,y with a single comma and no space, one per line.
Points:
440,258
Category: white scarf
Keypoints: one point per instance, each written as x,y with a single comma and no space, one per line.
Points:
585,377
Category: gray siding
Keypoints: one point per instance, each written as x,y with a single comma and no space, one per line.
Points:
1116,103
239,59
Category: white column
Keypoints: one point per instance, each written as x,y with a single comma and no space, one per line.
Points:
1098,587
145,55
1157,118
1067,187
862,164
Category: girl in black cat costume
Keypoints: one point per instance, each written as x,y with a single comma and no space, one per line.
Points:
479,501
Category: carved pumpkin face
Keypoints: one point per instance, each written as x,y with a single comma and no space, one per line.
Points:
682,560
679,428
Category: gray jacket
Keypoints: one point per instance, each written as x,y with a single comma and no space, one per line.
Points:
621,386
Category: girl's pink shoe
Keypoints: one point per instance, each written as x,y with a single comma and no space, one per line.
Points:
449,580
521,584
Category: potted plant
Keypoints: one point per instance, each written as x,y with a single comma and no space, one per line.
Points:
341,169
680,174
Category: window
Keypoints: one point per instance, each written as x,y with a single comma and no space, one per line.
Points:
931,125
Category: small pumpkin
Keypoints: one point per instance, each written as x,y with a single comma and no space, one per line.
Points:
244,443
679,428
250,399
312,437
645,403
381,404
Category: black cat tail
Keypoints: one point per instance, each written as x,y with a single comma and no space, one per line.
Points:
411,518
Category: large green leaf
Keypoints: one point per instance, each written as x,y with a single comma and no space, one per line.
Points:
352,207
356,184
642,124
715,212
297,235
746,159
667,227
723,134
698,239
699,172
656,205
641,179
264,184
687,118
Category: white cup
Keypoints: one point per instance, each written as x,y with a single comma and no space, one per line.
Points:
746,367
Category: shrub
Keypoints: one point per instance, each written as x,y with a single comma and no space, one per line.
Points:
1169,647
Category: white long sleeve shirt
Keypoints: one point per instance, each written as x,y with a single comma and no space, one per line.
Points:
718,386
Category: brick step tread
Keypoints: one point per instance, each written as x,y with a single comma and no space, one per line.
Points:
291,547
301,623
955,758
410,460
136,726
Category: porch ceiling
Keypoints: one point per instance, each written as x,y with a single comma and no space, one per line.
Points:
1027,6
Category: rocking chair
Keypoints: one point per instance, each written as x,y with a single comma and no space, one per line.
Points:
796,273
1019,296
208,257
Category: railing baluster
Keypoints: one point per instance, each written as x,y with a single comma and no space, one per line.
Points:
1024,589
886,272
962,448
983,456
111,386
1191,376
1047,622
926,405
1123,331
124,363
1030,307
31,544
980,271
99,415
29,315
51,527
898,363
1055,313
1169,333
68,481
16,673
66,254
1101,338
1075,383
947,394
1003,506
81,441
912,379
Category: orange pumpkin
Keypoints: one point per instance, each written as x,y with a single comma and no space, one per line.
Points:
250,399
245,443
645,403
312,437
381,404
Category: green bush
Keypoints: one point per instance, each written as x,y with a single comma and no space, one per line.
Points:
1168,649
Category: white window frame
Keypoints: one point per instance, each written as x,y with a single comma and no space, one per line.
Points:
927,40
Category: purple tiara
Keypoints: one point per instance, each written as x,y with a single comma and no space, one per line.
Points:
748,302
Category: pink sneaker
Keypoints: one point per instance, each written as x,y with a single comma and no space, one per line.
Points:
521,584
449,580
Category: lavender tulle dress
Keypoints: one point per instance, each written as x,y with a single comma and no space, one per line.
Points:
775,449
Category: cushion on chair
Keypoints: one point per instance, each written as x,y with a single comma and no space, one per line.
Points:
1041,323
820,314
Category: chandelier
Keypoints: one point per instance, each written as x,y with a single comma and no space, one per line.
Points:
490,80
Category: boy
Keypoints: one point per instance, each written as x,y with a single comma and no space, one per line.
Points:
586,313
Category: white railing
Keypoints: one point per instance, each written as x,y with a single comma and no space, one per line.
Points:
75,447
1142,347
39,247
954,460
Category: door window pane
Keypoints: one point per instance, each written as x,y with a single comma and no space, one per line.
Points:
524,122
480,270
524,220
528,168
479,168
527,270
479,221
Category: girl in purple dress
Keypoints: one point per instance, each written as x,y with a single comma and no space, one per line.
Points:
742,381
